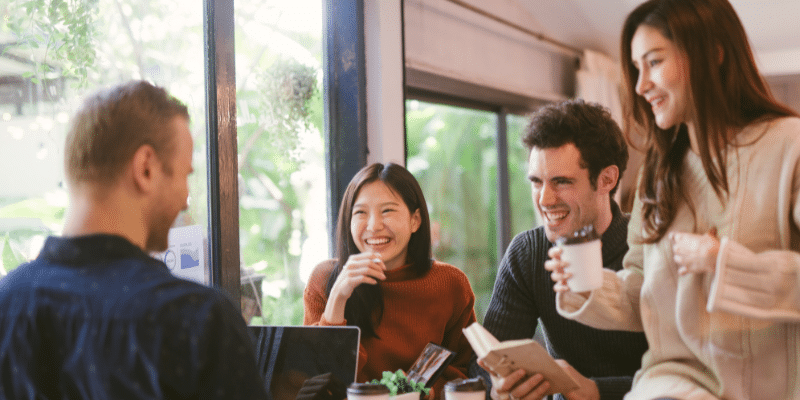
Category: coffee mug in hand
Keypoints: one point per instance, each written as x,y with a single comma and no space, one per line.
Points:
584,257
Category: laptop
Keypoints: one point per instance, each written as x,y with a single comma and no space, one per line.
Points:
288,355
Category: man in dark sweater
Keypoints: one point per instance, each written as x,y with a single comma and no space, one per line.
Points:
577,157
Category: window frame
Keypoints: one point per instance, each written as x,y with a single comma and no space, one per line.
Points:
345,94
345,124
222,147
503,228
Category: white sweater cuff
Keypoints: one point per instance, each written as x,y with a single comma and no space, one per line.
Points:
750,284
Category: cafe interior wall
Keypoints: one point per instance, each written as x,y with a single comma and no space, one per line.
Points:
786,89
447,40
441,47
453,50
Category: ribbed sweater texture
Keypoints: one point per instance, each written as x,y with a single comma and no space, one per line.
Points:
417,310
523,297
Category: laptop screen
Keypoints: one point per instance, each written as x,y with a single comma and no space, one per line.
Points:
288,355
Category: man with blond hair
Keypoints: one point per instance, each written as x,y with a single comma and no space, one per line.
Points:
94,316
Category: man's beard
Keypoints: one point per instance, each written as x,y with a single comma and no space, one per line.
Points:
158,237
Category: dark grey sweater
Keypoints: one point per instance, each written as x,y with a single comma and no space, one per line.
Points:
523,297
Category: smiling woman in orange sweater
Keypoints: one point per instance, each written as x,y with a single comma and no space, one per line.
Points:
385,282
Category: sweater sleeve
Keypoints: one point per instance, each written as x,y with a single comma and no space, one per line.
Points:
614,306
613,387
512,312
314,296
743,285
456,341
765,284
315,299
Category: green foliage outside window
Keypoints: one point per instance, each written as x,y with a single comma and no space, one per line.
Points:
59,34
523,215
453,153
95,43
281,160
275,148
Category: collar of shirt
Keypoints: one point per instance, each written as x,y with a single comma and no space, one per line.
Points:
89,249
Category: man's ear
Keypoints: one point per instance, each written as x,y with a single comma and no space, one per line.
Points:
608,178
144,166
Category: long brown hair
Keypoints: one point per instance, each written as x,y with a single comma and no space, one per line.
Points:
364,308
726,89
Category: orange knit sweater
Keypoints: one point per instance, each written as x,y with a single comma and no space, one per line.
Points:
433,308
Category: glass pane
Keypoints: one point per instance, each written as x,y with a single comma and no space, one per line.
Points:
453,153
282,192
523,216
52,58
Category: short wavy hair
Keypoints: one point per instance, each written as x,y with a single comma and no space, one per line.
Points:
589,127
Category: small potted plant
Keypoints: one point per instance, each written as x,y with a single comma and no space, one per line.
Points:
423,373
400,388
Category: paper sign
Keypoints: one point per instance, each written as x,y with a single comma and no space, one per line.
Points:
185,255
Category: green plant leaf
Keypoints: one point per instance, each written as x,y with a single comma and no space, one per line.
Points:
37,208
11,257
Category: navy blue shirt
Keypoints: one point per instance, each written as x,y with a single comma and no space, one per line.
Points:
94,317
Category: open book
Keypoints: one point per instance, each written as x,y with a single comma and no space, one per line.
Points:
503,358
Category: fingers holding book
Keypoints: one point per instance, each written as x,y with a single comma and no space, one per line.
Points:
521,367
519,386
587,388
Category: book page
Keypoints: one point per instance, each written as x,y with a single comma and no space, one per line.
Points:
534,359
506,357
480,339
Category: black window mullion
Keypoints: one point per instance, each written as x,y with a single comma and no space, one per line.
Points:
223,199
345,100
503,196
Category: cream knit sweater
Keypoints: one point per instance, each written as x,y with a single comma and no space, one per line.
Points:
734,333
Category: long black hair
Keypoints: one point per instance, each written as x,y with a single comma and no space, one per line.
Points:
364,308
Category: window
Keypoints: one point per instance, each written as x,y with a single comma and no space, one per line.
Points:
523,215
281,161
49,63
280,211
453,153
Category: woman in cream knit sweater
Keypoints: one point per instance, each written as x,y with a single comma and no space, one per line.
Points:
713,272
